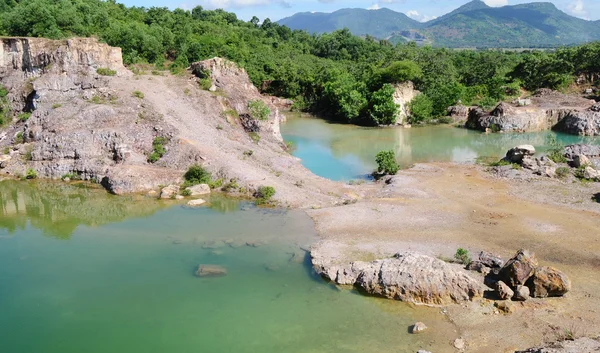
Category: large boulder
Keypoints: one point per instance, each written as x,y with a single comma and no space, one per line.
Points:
490,260
516,154
504,292
580,123
197,190
418,278
518,269
169,192
548,282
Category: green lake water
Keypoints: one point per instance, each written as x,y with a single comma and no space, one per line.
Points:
85,271
346,152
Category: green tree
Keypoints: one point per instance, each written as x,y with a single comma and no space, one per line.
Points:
383,110
386,163
421,109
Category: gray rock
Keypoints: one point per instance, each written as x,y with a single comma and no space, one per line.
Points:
418,327
581,160
519,268
211,271
504,292
580,345
582,123
516,154
459,344
197,190
548,282
521,293
590,151
590,173
490,260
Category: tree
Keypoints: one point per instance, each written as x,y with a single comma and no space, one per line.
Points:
383,110
421,108
386,163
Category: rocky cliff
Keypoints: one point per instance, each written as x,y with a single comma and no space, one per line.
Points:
73,110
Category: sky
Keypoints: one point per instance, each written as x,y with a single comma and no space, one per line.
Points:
421,10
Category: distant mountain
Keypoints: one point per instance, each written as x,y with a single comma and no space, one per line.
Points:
472,25
377,23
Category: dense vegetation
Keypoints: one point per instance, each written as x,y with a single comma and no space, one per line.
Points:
338,75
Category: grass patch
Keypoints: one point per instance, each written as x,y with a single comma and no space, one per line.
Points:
71,176
556,152
23,117
258,109
30,174
138,94
254,136
56,106
232,113
19,138
563,172
205,83
105,71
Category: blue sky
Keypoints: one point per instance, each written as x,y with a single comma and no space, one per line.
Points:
421,10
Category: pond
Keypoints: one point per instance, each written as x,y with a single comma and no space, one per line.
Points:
84,271
346,152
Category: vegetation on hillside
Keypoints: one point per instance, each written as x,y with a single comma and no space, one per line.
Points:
336,75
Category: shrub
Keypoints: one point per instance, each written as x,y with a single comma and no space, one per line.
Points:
19,138
386,162
158,149
205,83
258,109
138,94
105,71
563,172
556,151
231,186
3,92
421,109
55,106
254,136
186,192
24,116
500,163
30,174
197,175
383,110
463,256
264,194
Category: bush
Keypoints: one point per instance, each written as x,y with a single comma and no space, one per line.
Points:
258,109
563,172
463,256
24,116
556,151
30,174
264,194
105,71
158,149
254,136
138,94
19,138
386,162
421,109
197,175
383,110
205,83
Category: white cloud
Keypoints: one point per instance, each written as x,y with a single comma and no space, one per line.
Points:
374,7
415,15
496,3
577,8
229,4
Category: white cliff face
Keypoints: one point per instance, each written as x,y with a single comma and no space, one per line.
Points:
403,94
35,56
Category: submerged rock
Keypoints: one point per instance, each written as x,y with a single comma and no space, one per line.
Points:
548,282
211,271
418,327
197,190
196,203
519,268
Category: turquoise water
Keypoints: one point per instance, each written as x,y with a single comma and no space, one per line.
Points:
346,152
83,271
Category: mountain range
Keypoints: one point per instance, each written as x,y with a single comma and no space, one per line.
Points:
475,24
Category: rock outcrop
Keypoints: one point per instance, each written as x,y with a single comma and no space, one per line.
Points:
407,276
584,123
404,93
580,345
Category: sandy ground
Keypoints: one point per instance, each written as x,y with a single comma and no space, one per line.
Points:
437,208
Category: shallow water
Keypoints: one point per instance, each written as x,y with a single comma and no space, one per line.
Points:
345,152
84,271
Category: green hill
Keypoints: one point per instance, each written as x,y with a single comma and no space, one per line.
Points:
472,25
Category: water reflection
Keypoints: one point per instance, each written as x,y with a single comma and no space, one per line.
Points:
343,152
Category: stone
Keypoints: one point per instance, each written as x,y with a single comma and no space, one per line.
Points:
590,173
582,123
504,292
590,151
580,345
413,277
506,306
475,266
490,260
196,202
581,160
459,344
403,94
211,271
423,351
197,190
521,293
169,191
4,159
418,327
523,102
179,197
548,282
518,269
516,154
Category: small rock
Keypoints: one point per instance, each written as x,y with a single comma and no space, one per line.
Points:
179,197
490,260
196,203
506,306
169,191
504,292
580,160
548,282
418,327
211,271
197,190
516,154
459,343
521,293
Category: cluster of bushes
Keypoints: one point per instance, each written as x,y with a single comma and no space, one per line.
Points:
338,75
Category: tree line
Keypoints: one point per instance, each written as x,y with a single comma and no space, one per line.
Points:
337,75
